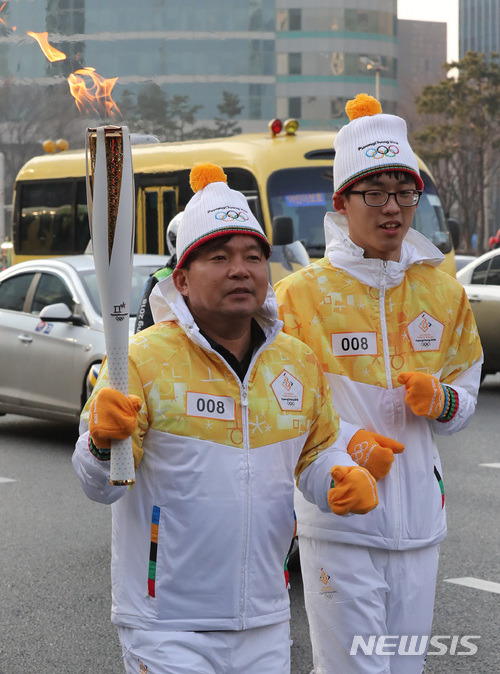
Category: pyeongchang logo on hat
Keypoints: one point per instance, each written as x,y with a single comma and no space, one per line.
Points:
381,149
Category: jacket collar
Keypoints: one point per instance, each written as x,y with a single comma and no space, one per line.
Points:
344,254
167,304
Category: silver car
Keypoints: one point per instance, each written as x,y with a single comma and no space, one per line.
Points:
51,333
481,280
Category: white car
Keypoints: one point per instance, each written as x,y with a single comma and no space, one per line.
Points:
481,280
462,260
51,333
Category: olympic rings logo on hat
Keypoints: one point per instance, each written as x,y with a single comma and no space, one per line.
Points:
234,216
382,151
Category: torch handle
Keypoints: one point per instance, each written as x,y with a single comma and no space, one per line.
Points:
122,470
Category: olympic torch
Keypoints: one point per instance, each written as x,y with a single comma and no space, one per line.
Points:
110,198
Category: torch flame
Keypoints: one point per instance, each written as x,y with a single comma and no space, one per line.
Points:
50,52
96,98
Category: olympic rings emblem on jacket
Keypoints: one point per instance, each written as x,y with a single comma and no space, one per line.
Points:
235,216
382,151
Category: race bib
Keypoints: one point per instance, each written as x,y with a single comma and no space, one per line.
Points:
354,343
425,332
209,406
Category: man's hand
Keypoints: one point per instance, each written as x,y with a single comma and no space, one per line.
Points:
112,416
424,394
374,452
354,490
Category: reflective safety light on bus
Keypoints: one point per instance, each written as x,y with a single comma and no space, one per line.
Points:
276,126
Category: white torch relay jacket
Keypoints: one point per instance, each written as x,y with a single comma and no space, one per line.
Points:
368,320
200,541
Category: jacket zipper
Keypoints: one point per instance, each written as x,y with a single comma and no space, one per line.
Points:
388,375
246,445
246,448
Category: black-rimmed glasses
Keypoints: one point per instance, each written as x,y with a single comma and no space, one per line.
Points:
403,198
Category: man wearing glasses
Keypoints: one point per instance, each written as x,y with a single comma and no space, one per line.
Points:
398,343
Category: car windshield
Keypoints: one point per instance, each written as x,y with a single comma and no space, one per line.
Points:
305,195
140,276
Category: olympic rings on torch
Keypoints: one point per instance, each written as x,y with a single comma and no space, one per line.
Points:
234,216
382,151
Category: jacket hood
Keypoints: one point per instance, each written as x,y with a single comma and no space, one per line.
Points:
167,304
344,254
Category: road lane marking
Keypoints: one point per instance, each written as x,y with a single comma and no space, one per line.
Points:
476,583
6,479
490,465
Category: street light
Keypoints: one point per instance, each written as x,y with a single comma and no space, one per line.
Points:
376,65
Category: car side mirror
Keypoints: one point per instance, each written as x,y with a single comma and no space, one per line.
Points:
60,313
282,230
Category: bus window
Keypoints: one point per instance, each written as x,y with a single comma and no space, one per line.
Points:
151,230
169,208
46,224
82,230
429,217
156,206
305,195
46,216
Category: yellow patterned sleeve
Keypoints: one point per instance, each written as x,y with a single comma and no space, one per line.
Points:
295,305
324,429
464,348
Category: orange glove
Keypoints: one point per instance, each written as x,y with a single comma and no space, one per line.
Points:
354,490
424,394
112,416
374,452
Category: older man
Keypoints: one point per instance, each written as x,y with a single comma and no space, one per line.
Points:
224,410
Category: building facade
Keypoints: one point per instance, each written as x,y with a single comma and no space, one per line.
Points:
421,57
478,26
324,49
287,58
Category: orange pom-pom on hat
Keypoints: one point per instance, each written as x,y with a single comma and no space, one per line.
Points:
372,142
214,210
362,106
203,174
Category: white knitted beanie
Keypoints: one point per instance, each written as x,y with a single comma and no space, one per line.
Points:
214,210
370,143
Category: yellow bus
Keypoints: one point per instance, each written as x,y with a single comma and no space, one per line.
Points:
287,179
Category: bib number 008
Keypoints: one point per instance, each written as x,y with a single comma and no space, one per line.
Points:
354,343
209,406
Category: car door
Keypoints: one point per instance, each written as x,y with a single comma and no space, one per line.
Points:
55,361
484,297
14,333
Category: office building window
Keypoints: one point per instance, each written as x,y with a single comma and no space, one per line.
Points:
255,101
295,64
295,107
294,19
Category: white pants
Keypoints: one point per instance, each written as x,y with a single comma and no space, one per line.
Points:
262,650
355,590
